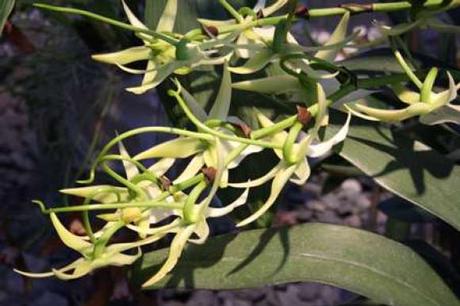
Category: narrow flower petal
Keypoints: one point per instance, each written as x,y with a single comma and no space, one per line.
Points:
124,57
120,259
175,252
193,167
302,173
196,109
270,85
269,10
216,23
131,17
317,150
221,105
168,17
202,231
83,268
393,115
162,73
130,169
337,36
405,95
255,63
219,212
162,166
181,147
100,193
281,178
261,180
73,241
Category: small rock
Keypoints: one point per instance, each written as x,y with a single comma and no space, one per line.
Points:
290,296
308,291
50,298
203,298
353,221
253,295
352,186
328,217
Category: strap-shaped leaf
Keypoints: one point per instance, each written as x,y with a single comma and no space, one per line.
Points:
410,170
368,264
6,6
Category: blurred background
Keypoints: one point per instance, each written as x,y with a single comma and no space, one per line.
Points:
57,107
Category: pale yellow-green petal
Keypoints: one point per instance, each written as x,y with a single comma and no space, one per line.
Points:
196,109
162,166
255,63
337,36
193,167
302,172
221,105
181,147
261,180
394,115
319,149
405,95
73,241
133,20
100,193
280,180
81,269
277,5
214,212
202,231
130,169
175,251
124,57
168,17
270,85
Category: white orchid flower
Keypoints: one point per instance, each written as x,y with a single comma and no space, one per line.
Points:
203,152
293,165
431,107
163,58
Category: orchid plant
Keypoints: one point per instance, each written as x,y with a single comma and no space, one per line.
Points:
155,202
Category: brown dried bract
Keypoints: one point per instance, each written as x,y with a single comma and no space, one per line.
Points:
303,115
301,11
245,129
165,183
210,173
210,31
260,14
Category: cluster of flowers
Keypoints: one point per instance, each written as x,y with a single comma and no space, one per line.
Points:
148,201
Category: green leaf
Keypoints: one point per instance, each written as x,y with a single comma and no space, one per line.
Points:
409,169
6,6
368,264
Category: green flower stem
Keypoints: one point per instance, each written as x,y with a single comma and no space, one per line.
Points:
427,87
170,40
138,190
187,183
279,126
218,134
138,131
190,203
288,152
334,11
231,10
408,70
97,206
